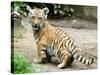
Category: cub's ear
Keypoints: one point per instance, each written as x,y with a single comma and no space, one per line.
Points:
46,11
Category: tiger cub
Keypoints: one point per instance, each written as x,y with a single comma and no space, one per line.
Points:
53,40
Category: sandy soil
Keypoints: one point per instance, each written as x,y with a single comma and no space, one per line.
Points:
86,39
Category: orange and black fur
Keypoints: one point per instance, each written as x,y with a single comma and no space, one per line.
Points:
53,40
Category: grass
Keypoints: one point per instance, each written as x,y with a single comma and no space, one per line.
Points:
20,64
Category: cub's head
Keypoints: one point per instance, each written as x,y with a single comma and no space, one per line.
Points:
37,17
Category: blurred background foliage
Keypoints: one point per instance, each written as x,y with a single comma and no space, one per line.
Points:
58,11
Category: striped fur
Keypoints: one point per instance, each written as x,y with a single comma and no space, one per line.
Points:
53,40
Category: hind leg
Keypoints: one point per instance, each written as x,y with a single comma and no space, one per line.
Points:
65,61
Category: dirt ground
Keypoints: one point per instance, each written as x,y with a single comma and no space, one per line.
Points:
86,39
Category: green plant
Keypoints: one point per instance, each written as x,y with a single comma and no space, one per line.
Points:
18,6
20,64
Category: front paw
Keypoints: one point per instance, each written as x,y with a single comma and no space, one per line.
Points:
37,61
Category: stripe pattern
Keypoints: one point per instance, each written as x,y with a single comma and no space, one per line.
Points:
57,42
65,44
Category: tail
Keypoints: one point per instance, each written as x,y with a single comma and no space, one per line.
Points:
80,58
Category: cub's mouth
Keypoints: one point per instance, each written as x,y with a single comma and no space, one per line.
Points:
35,27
